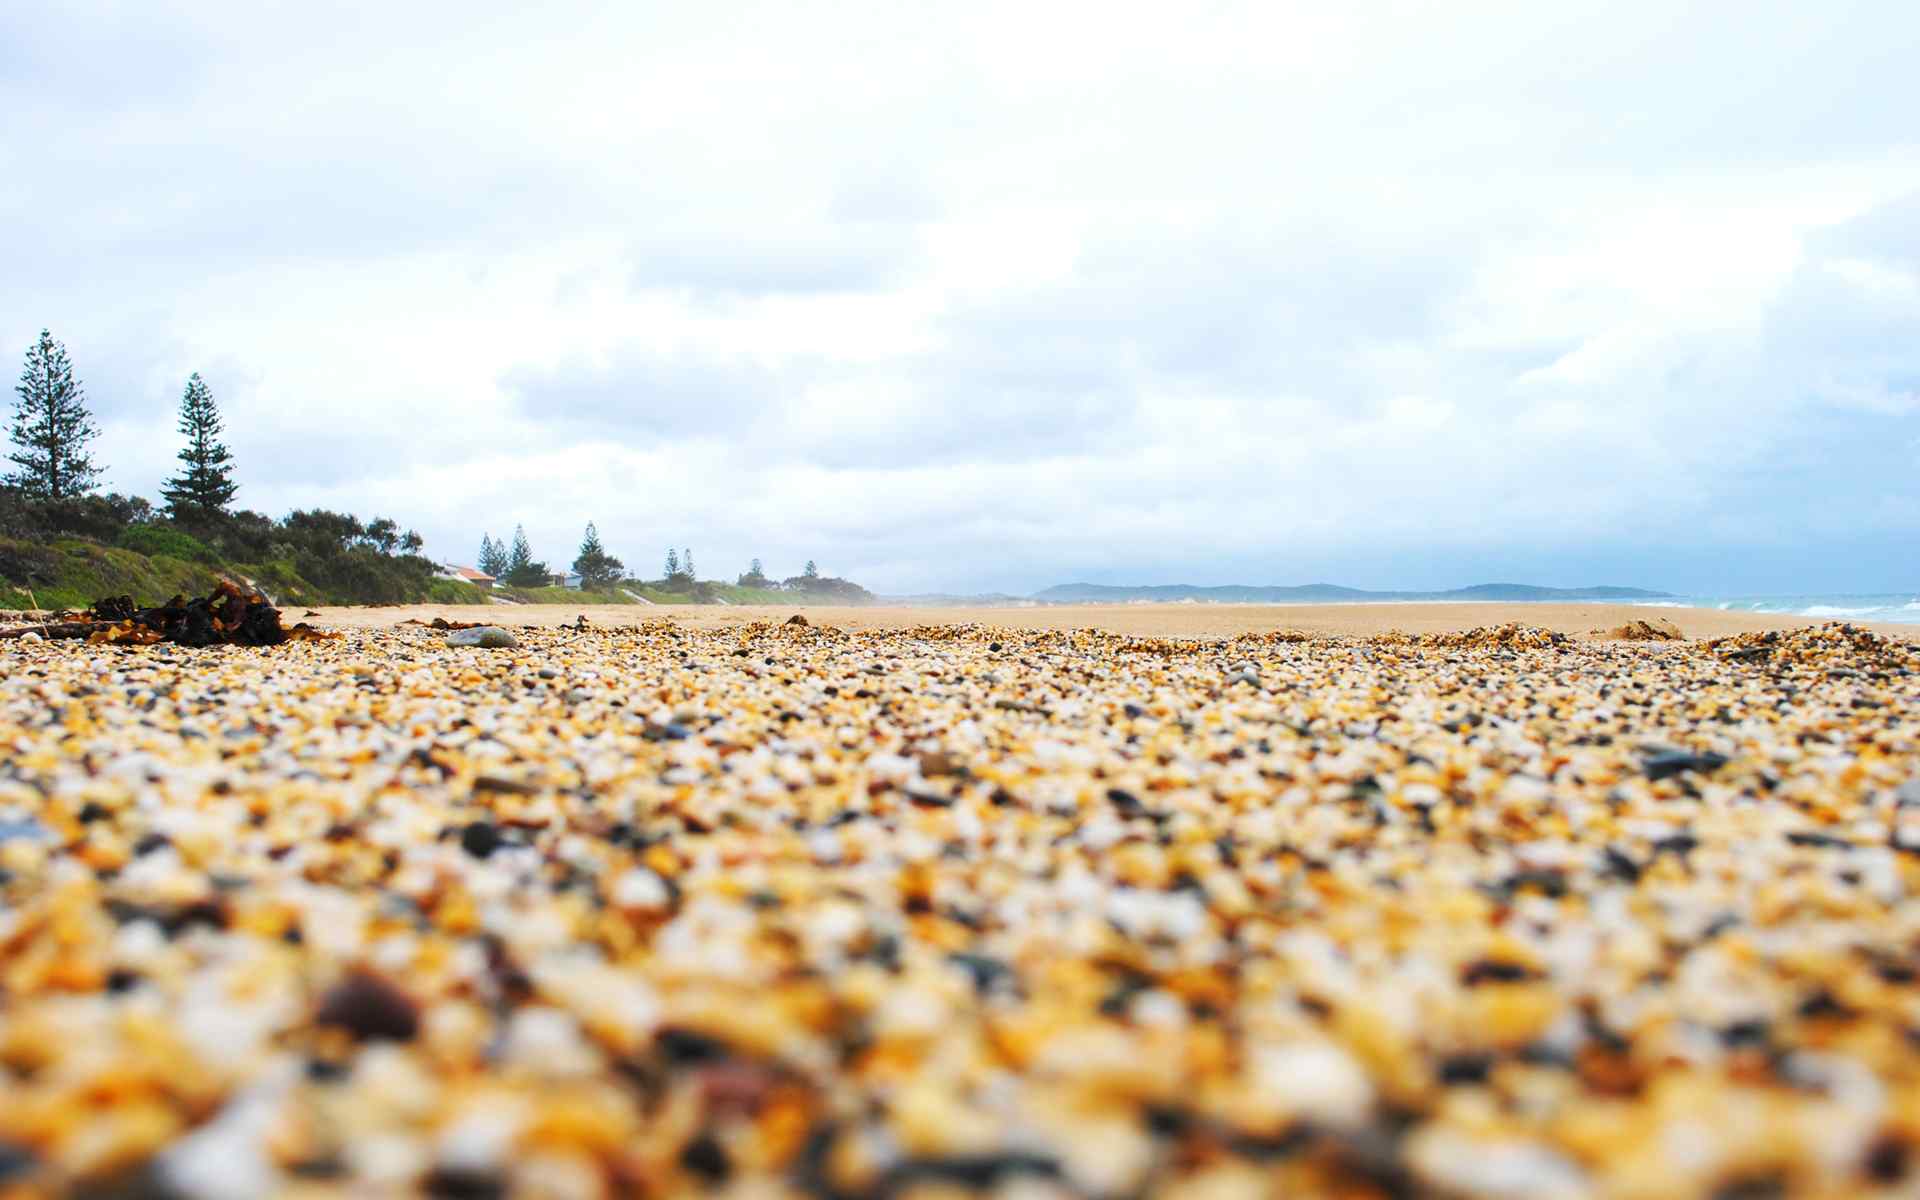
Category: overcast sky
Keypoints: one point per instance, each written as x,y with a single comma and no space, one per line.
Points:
966,296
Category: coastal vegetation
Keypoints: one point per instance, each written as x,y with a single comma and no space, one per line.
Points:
64,544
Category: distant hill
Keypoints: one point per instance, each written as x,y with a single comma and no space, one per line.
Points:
1325,593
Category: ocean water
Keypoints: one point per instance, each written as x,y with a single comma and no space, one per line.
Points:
1901,608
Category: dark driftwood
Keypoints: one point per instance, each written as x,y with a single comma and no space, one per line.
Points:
66,629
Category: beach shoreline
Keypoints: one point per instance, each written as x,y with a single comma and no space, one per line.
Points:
1146,620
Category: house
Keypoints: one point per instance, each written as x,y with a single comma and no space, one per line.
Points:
570,581
472,575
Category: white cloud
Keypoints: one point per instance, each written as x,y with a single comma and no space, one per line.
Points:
990,295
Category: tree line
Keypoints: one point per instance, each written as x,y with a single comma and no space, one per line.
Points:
513,564
52,491
52,427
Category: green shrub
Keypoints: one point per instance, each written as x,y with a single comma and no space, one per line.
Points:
159,539
74,574
75,552
560,595
100,518
453,591
823,589
735,594
28,564
280,581
364,575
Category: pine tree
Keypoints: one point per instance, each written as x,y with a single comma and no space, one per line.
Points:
597,568
812,571
673,562
493,557
756,570
51,427
205,487
522,570
686,564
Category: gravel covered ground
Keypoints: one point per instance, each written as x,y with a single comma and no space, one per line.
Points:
1133,620
783,910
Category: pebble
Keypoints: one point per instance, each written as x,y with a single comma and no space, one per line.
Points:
480,838
369,1007
784,909
488,637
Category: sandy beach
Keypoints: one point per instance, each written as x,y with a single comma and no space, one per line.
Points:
1147,620
844,909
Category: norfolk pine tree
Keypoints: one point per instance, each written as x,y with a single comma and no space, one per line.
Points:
521,557
590,547
51,427
204,487
597,568
522,571
493,556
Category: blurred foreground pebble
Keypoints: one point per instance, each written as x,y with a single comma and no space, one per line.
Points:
785,911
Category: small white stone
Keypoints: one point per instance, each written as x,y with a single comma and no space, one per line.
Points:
547,1041
386,1162
227,1156
911,1012
1506,1168
1156,1008
480,1139
1317,1079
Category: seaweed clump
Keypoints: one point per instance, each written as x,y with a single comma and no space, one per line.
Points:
232,615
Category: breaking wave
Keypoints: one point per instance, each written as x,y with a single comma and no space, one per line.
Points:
1900,608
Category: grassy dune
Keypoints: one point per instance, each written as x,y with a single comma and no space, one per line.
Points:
73,574
726,592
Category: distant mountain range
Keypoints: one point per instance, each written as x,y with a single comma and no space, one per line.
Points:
1321,593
